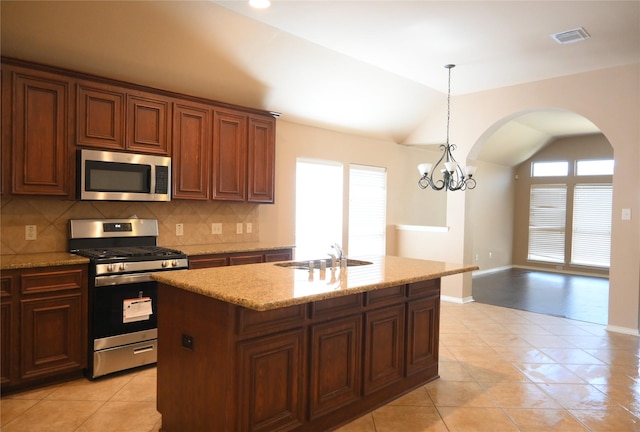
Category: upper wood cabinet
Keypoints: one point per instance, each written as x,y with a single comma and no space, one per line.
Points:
191,150
218,151
229,155
100,116
115,118
148,123
261,159
35,107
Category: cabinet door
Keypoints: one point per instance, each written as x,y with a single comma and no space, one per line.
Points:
271,377
336,367
229,156
191,150
261,158
100,116
51,335
422,335
148,124
40,134
8,330
384,347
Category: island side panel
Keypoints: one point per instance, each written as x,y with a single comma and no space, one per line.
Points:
194,374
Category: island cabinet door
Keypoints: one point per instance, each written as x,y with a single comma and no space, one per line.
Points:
422,335
384,347
336,365
271,377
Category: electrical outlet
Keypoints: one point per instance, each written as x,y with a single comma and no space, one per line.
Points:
239,228
216,228
249,227
30,232
179,229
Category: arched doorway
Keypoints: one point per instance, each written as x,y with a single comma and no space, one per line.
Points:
498,210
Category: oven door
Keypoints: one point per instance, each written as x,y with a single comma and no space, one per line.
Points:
123,309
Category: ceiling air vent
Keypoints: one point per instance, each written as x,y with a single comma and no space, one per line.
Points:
571,36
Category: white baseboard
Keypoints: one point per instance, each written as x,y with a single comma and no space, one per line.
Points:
624,330
457,299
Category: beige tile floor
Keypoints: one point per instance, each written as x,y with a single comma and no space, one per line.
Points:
500,370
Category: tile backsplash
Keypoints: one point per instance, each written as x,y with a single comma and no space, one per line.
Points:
51,218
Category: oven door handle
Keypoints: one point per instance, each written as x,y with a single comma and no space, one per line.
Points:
122,279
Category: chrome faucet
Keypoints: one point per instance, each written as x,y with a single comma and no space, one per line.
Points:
339,251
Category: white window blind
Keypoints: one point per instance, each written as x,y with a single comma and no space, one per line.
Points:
318,207
547,221
592,206
367,210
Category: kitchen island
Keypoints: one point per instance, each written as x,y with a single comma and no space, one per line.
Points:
266,347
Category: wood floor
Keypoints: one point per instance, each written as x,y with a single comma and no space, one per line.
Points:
579,298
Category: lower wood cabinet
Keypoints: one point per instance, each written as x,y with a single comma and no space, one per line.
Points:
306,367
44,325
239,258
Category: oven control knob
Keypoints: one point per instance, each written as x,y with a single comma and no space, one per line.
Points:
123,266
110,267
174,263
164,264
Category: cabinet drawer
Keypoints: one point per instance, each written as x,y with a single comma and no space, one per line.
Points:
384,296
252,323
424,288
51,281
208,262
338,306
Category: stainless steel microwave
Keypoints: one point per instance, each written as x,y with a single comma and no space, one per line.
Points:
113,176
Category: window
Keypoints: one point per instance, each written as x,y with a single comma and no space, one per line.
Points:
318,207
594,167
591,240
547,220
367,210
549,169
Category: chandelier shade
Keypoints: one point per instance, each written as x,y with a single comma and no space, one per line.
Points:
453,176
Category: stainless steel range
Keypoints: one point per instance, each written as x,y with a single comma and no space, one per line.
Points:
122,296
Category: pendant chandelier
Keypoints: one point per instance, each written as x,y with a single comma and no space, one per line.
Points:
454,177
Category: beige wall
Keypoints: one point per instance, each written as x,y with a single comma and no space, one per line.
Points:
569,149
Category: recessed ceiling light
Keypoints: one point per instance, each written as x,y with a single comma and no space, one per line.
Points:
260,4
571,36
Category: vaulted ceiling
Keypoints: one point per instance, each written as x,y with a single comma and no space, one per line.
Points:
367,67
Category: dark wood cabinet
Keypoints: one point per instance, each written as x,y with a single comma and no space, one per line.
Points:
305,367
100,116
271,377
191,151
336,365
384,348
219,151
8,332
148,123
35,106
44,334
261,159
229,156
239,258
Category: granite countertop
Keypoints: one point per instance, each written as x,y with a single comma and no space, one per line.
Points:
45,259
221,248
269,286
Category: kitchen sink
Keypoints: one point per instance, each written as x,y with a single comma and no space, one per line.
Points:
304,265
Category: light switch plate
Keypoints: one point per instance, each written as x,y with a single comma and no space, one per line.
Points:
179,229
626,214
30,232
249,228
239,228
216,228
